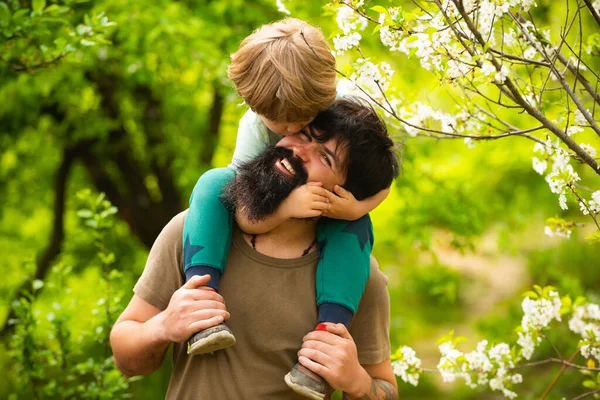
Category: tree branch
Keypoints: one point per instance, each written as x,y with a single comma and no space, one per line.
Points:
516,96
594,13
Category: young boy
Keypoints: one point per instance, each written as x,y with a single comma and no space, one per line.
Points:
286,74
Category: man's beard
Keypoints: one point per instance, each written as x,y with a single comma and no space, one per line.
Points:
259,187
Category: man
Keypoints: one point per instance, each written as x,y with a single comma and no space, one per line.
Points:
270,284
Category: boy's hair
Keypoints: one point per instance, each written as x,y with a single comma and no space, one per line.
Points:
285,71
371,163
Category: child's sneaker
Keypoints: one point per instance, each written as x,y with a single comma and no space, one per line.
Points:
307,383
210,340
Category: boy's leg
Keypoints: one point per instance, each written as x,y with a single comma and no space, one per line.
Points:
342,273
207,235
208,228
343,268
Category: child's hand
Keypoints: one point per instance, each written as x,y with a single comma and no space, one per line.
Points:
308,200
343,205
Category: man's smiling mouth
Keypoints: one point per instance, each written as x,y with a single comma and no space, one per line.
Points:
284,165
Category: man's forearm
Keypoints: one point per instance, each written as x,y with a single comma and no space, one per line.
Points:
138,347
379,390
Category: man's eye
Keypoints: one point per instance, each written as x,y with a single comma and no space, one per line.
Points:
326,159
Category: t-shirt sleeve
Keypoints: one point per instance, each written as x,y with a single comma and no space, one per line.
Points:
163,273
370,327
252,139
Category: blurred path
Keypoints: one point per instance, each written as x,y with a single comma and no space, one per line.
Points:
493,277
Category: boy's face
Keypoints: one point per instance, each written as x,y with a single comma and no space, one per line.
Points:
285,128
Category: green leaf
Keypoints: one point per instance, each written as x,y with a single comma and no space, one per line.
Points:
4,14
37,284
380,9
85,213
38,5
377,28
100,198
531,294
594,237
589,384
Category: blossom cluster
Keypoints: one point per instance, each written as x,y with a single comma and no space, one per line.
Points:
487,365
537,315
350,23
369,80
496,365
407,366
562,175
431,36
586,322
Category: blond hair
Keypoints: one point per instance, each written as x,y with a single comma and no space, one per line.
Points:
285,71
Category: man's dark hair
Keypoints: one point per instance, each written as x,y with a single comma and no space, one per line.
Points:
371,163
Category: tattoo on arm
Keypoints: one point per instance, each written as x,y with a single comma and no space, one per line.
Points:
380,390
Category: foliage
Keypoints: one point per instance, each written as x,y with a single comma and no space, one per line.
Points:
142,112
49,360
39,34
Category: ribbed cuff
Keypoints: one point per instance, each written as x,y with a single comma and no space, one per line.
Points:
215,275
336,313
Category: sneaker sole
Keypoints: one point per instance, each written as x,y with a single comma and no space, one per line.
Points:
304,391
214,342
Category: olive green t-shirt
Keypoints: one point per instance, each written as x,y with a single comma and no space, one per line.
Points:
272,306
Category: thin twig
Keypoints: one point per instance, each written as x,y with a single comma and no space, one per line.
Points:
586,394
562,370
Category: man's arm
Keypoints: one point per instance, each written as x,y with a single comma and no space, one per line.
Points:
333,356
382,383
142,334
136,339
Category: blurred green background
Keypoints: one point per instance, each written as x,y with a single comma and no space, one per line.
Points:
140,118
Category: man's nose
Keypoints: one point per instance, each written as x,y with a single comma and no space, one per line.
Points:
302,152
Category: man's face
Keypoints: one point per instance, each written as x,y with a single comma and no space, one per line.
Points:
323,162
262,184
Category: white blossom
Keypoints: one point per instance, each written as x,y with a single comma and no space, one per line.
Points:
281,7
510,37
349,21
539,166
537,315
562,201
500,76
573,129
487,68
558,231
482,366
343,43
588,149
594,203
408,367
579,118
530,53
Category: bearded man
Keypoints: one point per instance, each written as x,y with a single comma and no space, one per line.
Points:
269,283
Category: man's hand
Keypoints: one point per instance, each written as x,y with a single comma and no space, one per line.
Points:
192,308
332,354
306,201
344,205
